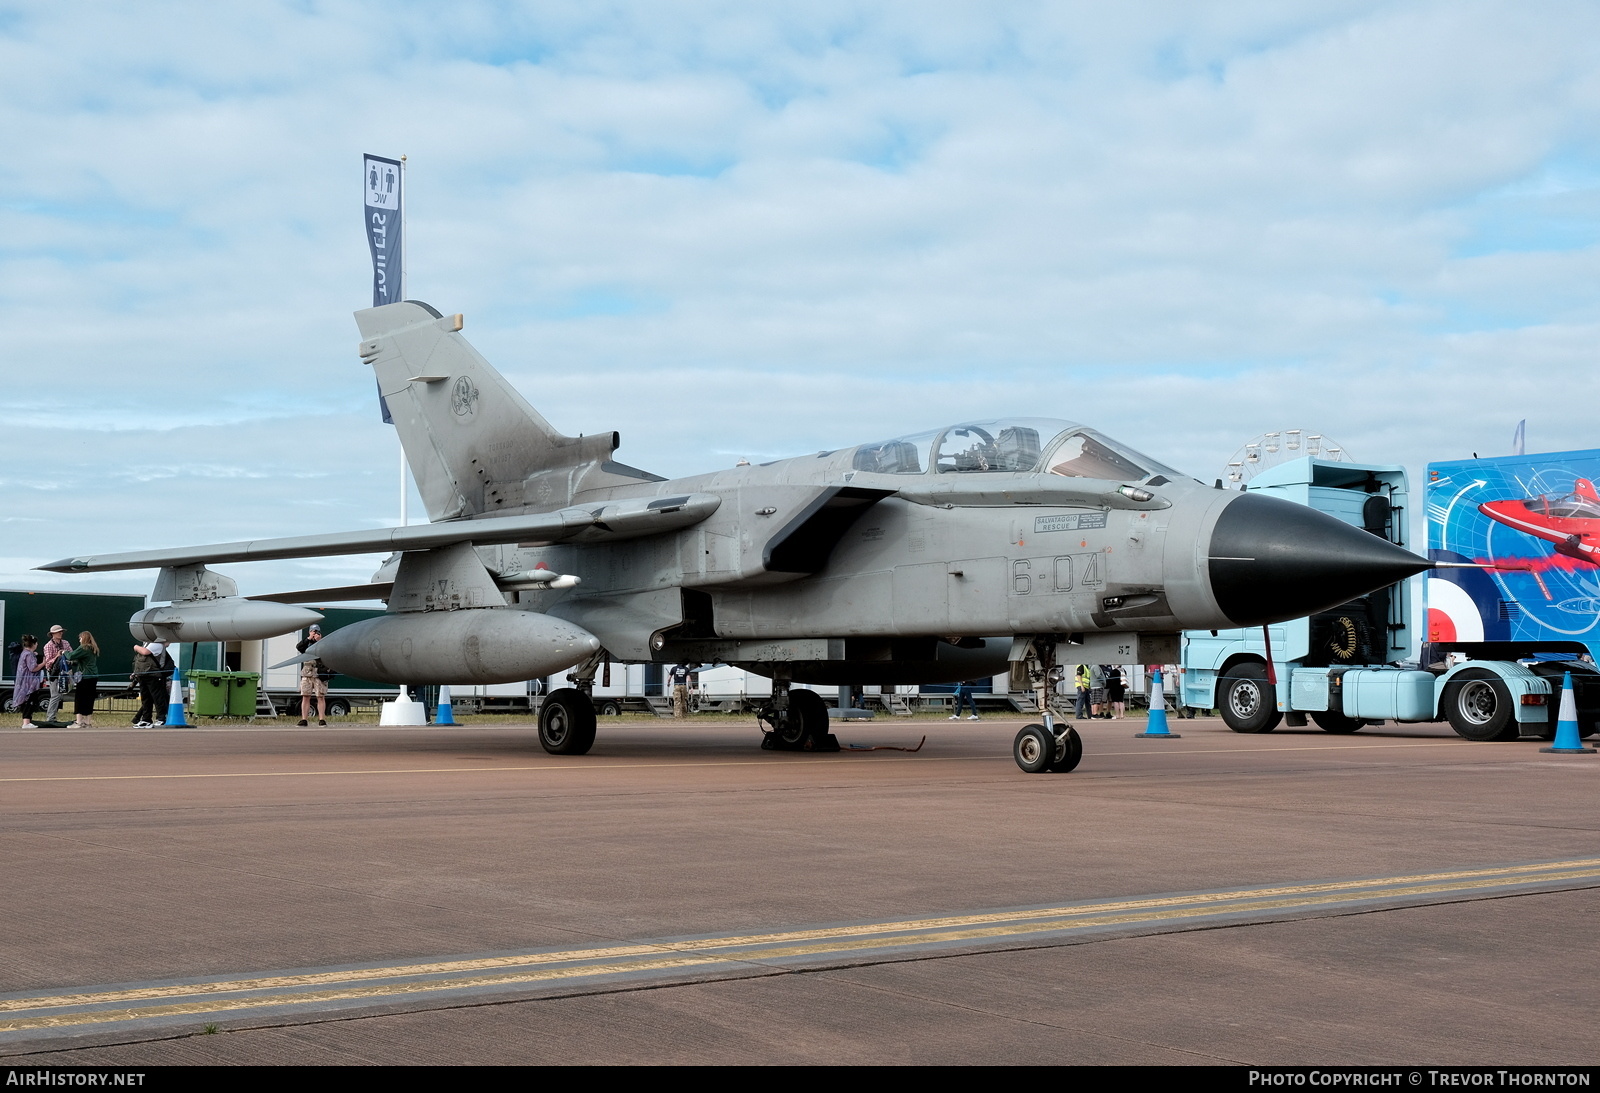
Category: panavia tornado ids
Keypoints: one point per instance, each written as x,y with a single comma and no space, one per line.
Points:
937,557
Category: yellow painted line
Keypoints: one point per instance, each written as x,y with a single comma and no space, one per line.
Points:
752,949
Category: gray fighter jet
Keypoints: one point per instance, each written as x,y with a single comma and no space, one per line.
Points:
938,557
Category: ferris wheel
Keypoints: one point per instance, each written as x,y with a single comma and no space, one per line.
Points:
1271,449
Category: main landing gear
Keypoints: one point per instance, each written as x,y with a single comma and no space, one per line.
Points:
566,716
1050,748
795,720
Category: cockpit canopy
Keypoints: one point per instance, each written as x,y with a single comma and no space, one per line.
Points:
1574,506
1010,444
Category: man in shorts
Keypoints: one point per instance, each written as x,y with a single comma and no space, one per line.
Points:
313,680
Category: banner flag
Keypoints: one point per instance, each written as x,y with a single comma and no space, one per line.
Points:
381,179
1519,441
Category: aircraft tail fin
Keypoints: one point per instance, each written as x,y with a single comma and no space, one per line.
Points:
474,444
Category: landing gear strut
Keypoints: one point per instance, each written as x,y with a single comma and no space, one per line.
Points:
795,720
1053,747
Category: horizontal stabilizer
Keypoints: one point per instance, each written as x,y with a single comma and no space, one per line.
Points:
615,521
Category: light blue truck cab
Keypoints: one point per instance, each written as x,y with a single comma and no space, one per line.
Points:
1367,661
1311,657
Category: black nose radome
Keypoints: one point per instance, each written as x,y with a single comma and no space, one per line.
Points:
1273,560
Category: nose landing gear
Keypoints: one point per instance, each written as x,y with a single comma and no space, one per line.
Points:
1049,748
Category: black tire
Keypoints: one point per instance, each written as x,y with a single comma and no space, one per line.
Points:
1069,751
1034,749
1478,704
807,721
566,722
610,708
338,707
1248,703
1328,721
803,726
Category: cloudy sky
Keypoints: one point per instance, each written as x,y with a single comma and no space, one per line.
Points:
752,230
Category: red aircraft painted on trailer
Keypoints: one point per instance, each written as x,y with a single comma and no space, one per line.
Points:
1572,522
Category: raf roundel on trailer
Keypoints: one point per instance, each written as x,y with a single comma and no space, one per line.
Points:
1536,520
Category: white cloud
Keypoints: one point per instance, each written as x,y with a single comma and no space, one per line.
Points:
726,228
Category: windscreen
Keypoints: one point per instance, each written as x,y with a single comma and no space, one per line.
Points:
1090,454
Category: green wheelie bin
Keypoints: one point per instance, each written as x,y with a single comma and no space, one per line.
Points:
242,693
210,691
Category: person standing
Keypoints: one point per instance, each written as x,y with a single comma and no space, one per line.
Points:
1172,687
1081,679
679,678
28,689
55,669
1097,690
314,677
151,673
1116,690
85,662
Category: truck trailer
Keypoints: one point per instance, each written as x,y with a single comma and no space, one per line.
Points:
1512,617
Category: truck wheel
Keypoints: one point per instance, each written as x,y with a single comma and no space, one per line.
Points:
1247,701
1328,721
1478,705
338,707
610,708
566,722
1034,749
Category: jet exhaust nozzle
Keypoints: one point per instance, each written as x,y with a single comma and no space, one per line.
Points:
478,645
1271,560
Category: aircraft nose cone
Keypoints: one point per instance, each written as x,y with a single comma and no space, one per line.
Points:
1273,560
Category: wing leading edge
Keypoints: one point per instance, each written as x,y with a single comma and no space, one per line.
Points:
630,519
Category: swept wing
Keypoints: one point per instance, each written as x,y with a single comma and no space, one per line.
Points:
630,519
